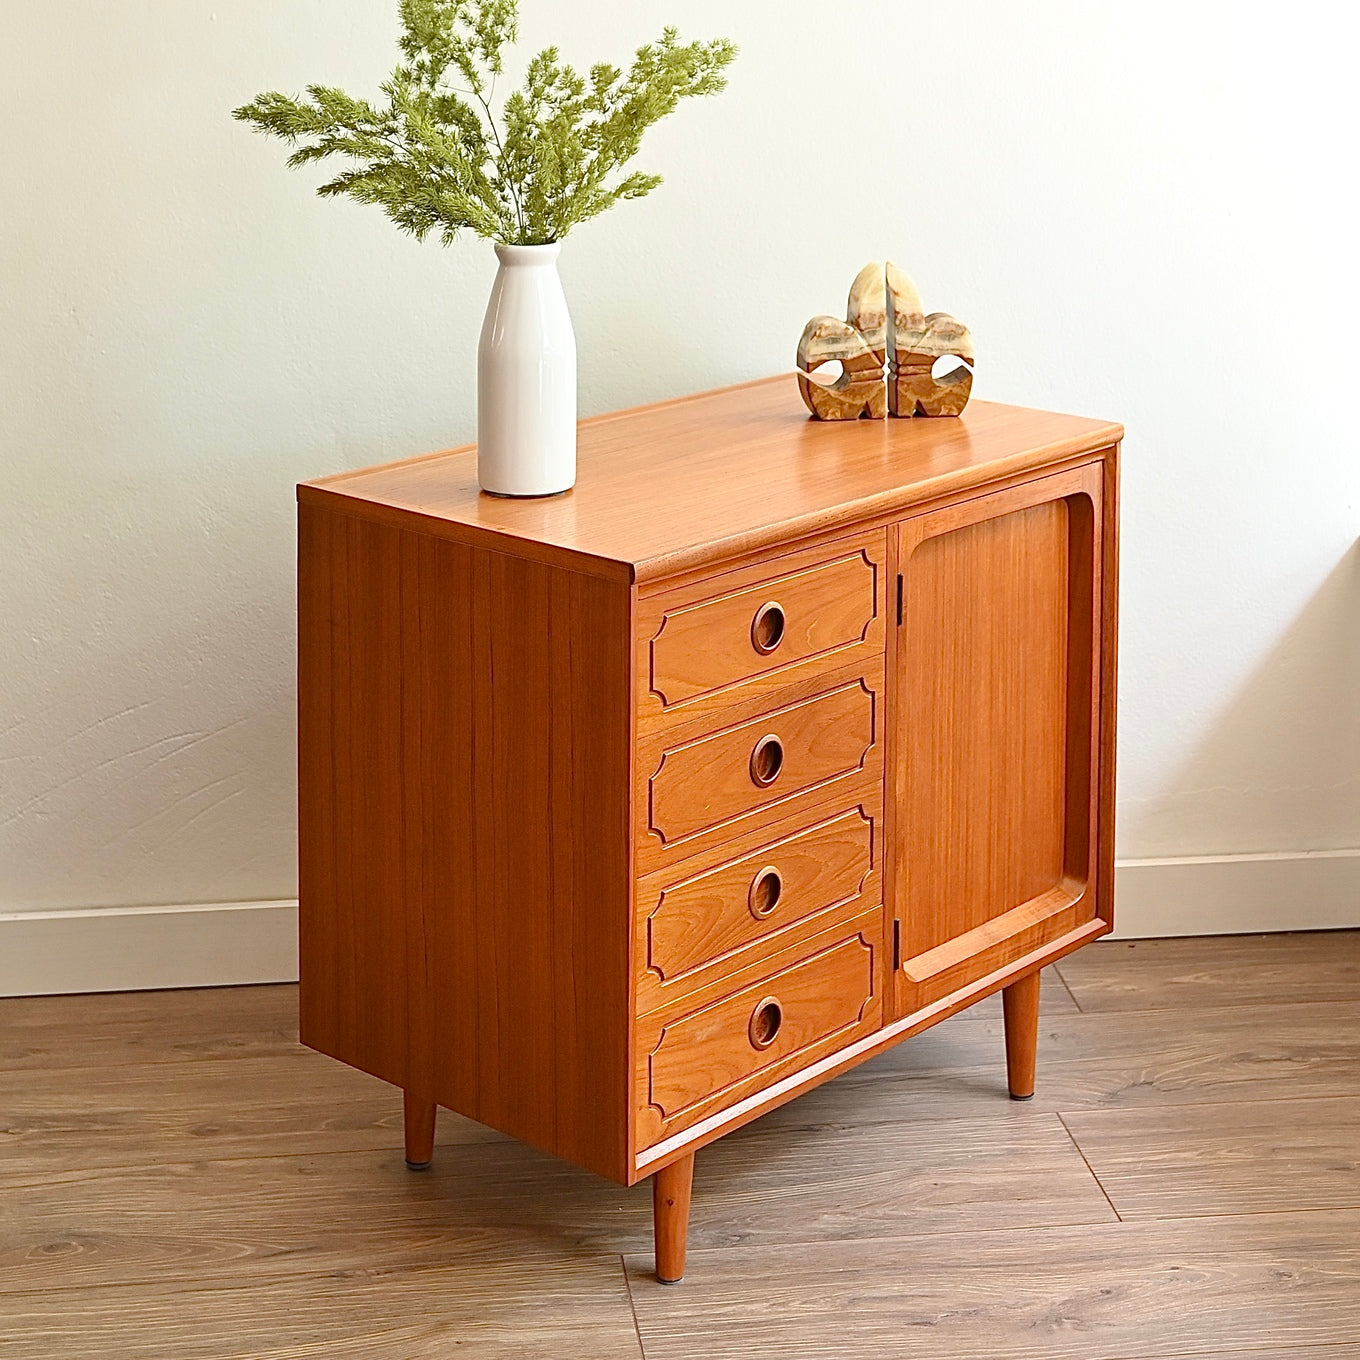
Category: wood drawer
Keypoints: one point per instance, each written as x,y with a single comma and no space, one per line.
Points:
691,927
741,769
695,643
708,645
710,1056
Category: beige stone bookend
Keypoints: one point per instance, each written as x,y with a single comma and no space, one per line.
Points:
885,321
915,342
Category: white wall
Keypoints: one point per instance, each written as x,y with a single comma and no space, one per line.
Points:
1144,212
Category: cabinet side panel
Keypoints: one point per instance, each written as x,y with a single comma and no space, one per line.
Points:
354,944
464,796
527,716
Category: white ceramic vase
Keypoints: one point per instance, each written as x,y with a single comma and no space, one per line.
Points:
526,378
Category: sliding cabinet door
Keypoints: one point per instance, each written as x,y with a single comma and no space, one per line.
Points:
994,731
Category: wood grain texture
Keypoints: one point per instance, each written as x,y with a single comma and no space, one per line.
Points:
780,1016
994,744
705,1052
1227,970
263,1217
1127,1291
226,1207
819,1179
698,648
714,779
464,788
692,930
107,1029
419,1115
834,621
480,1309
501,732
773,806
129,1114
1124,1061
1020,1011
672,1188
250,1219
356,948
644,503
808,1075
1239,1158
1054,1000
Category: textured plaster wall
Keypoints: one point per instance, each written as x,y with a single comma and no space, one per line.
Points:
1144,212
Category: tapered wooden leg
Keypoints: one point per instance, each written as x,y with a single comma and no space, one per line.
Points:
670,1217
1020,1006
419,1130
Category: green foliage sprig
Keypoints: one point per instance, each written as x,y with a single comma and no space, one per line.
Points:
434,157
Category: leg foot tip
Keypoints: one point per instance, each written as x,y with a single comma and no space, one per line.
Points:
1028,1097
661,1280
417,1166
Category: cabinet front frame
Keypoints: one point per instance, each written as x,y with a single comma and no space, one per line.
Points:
1093,476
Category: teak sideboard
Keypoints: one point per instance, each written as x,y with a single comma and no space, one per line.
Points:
630,814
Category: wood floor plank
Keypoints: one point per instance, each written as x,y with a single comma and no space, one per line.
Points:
805,1180
49,1032
178,1178
1107,1061
485,1309
1225,970
303,1102
1122,1291
141,1114
1345,1351
256,1217
1225,1159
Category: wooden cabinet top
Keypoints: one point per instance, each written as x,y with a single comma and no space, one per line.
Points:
662,489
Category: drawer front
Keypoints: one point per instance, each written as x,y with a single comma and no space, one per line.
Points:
703,1060
719,642
758,763
745,636
751,902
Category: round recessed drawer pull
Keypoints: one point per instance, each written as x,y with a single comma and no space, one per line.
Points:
767,628
765,1022
766,761
766,889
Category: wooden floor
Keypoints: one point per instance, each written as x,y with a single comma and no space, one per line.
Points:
178,1178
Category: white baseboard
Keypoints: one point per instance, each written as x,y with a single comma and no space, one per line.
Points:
127,949
1237,894
116,949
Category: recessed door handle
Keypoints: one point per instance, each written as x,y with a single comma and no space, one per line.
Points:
767,759
767,628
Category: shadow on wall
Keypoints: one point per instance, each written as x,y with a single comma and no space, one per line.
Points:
1281,768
